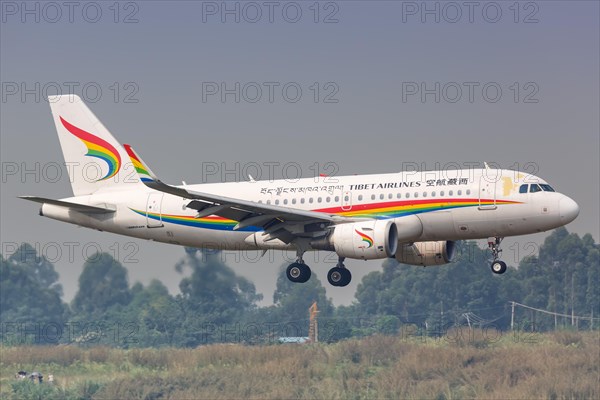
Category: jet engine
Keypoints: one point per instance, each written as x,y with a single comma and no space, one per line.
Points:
426,253
366,240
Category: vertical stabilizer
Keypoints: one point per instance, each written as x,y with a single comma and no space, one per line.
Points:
94,158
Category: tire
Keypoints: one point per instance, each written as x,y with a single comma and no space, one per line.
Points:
335,276
298,273
339,277
498,267
346,277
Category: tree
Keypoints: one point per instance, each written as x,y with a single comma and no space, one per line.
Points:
158,314
29,295
213,297
102,285
292,301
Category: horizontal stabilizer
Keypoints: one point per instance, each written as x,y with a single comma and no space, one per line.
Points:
74,206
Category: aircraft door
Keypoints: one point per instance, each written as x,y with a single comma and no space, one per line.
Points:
487,193
153,210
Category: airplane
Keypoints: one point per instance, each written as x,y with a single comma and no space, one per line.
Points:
414,217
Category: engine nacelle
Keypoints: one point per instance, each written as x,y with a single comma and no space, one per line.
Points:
366,240
426,253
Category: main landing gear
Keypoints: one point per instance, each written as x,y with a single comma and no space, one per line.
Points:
339,275
298,272
498,267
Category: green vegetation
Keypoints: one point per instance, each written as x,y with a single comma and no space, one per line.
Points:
560,365
439,332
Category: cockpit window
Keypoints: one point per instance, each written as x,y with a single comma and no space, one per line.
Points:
547,188
534,188
523,188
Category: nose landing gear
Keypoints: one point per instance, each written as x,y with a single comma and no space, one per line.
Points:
498,266
339,275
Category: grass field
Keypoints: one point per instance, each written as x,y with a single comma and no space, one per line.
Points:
470,365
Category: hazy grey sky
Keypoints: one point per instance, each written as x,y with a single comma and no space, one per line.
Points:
370,86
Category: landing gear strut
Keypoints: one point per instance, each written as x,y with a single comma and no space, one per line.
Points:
298,272
339,275
498,267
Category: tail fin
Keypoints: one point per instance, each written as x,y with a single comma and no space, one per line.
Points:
94,158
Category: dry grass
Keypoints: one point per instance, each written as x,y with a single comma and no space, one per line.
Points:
471,365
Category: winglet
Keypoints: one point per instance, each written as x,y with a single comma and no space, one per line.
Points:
145,173
148,177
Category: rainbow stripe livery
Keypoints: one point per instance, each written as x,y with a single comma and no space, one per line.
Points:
98,148
142,170
377,211
367,239
212,222
395,209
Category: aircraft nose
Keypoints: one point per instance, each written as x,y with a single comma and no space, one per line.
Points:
568,209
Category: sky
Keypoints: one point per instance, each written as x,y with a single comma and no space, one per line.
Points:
211,91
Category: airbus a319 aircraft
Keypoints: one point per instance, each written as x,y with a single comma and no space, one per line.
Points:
413,217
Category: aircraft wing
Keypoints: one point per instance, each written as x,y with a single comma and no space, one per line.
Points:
278,222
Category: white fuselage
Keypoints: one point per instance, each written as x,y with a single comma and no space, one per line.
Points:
450,205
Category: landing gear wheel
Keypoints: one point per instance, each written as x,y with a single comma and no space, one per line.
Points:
298,272
339,276
498,267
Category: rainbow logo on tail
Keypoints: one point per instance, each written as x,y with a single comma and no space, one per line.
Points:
98,148
365,238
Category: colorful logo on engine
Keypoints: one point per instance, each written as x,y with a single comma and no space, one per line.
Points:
98,148
365,238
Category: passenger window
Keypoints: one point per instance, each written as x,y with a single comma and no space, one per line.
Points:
534,188
359,197
460,192
285,201
293,201
337,198
450,193
372,197
381,196
523,188
468,191
328,199
268,201
319,200
276,202
407,195
310,200
399,195
416,194
424,194
390,196
302,200
442,193
432,194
